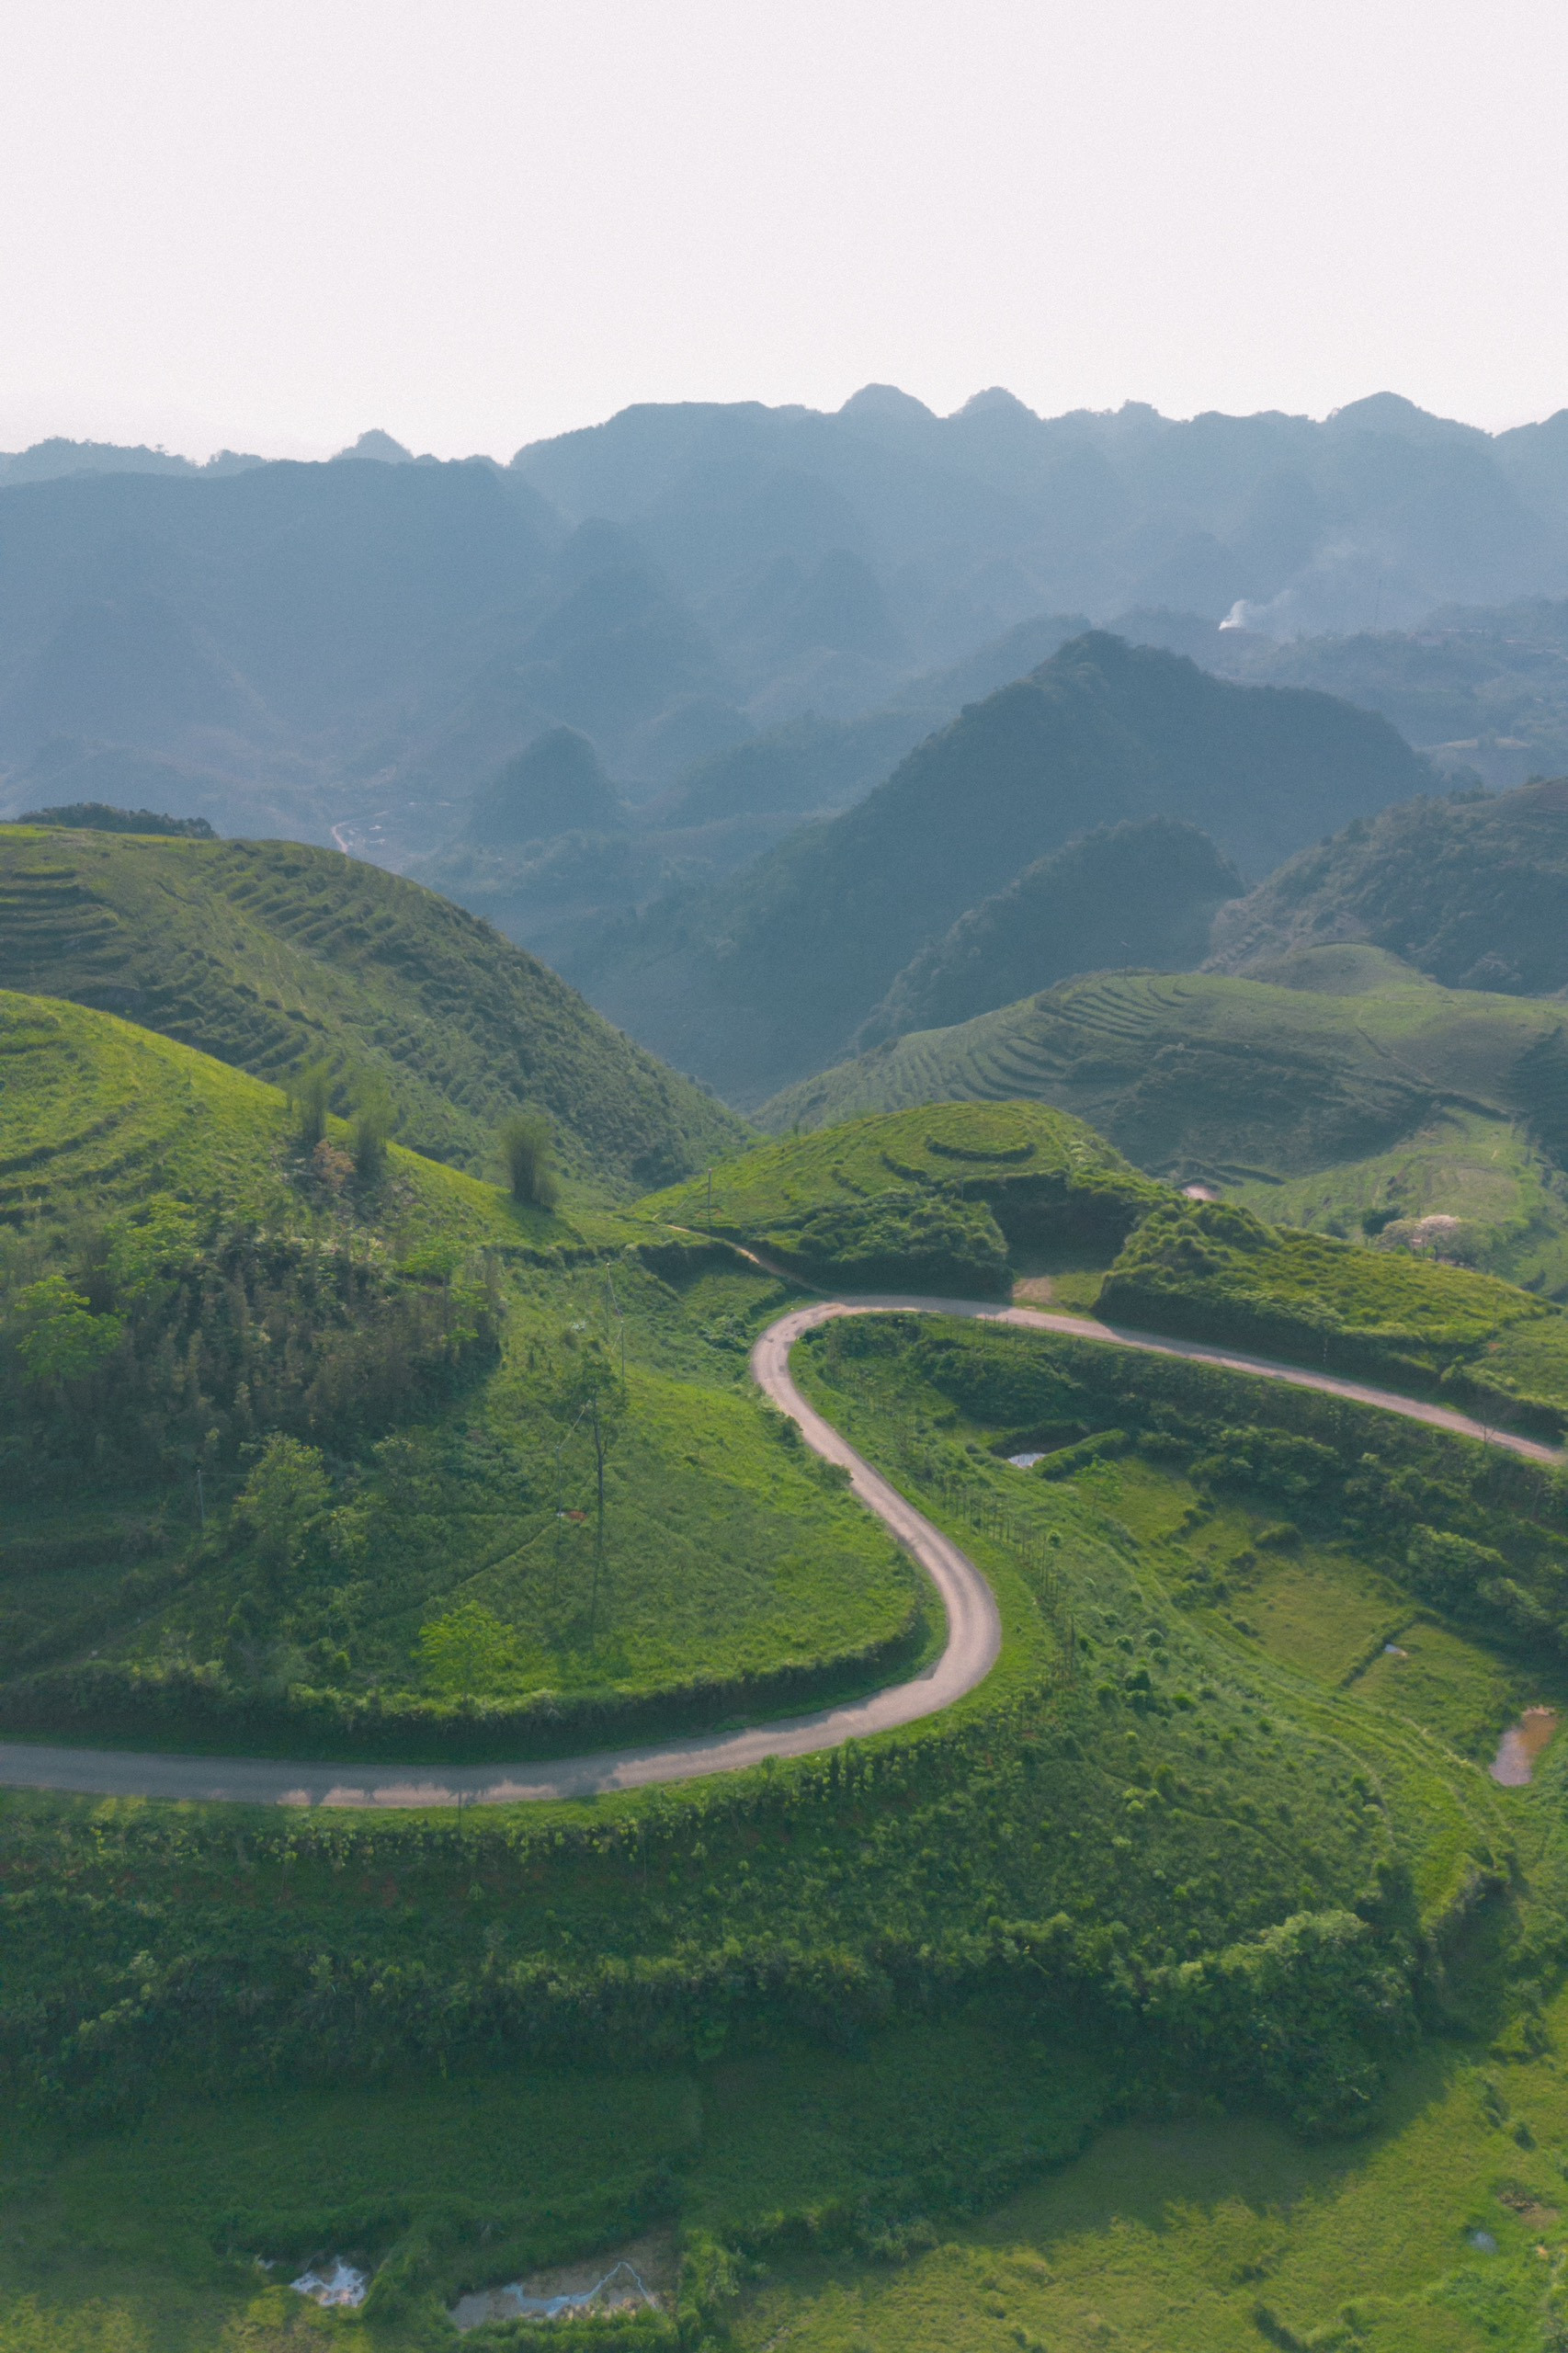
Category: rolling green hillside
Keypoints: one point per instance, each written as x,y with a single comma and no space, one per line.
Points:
270,956
1198,1845
295,1451
817,2025
756,981
1473,890
1363,1091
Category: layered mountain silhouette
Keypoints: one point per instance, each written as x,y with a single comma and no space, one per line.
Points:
361,644
759,980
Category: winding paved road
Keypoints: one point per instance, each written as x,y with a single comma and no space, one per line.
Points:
974,1631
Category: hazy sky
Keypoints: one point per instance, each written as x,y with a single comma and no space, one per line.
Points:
273,224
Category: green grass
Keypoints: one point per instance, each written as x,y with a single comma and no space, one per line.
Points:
1464,1694
1201,2236
1320,1612
270,955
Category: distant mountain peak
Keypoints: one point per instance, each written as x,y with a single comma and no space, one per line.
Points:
1392,413
380,447
886,401
997,401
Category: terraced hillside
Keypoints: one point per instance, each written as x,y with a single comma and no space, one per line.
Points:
298,1451
1362,1092
269,956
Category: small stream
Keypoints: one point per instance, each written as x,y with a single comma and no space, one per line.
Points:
1514,1764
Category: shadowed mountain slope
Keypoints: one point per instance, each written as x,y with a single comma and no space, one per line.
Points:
1134,893
1473,890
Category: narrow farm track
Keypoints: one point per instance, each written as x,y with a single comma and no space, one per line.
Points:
974,1633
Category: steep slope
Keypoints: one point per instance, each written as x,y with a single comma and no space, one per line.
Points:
1360,1092
1135,893
1473,890
270,955
759,980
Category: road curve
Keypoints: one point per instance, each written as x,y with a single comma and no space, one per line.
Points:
974,1638
974,1632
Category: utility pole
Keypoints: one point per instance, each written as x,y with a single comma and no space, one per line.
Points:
599,1532
611,1301
709,1204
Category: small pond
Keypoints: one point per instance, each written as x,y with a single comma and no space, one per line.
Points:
1514,1764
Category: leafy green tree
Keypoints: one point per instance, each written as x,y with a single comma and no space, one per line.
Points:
63,1342
469,1653
372,1126
286,1493
527,1153
145,1250
310,1099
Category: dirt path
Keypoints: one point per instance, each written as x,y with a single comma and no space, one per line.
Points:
974,1633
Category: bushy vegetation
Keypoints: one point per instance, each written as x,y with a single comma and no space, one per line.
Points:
274,957
1215,1271
97,817
174,1347
859,1203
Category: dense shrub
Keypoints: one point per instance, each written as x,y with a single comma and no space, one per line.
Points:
168,1350
904,1239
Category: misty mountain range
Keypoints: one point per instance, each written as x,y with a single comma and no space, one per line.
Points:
606,685
365,642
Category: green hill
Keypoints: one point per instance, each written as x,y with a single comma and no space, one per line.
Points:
1142,893
297,1450
934,1199
986,1198
1473,890
755,981
270,956
1362,1093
